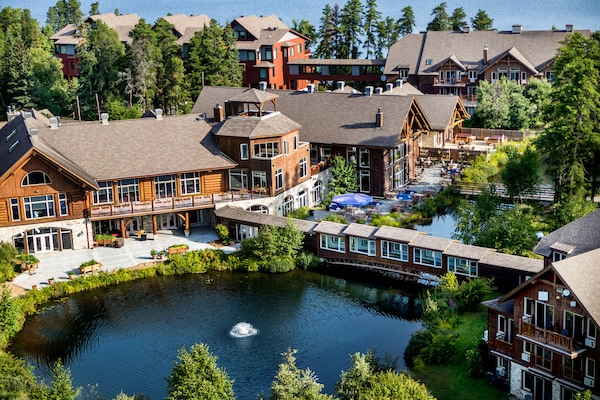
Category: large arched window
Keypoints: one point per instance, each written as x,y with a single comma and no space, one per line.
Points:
259,208
36,178
288,205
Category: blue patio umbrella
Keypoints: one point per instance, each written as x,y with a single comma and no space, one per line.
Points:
352,199
404,197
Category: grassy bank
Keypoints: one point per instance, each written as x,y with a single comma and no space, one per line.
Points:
452,381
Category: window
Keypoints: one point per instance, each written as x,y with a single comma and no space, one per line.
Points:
351,155
333,243
279,179
190,182
543,357
316,192
514,74
245,231
300,48
263,73
574,325
303,168
62,204
365,181
472,75
527,381
428,257
244,154
403,74
286,147
504,329
362,246
394,250
502,73
39,206
36,178
550,76
104,195
288,205
590,368
557,256
266,150
259,179
572,367
128,190
591,328
10,135
428,61
238,179
165,187
544,315
314,154
365,158
462,266
494,76
528,307
295,142
14,209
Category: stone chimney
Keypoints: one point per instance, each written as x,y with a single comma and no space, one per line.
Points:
517,28
379,118
389,87
310,88
53,123
104,118
340,85
466,29
485,53
219,113
399,83
11,113
369,91
569,28
158,112
262,85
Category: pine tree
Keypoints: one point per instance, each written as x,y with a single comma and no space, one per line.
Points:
328,32
458,19
144,57
482,21
441,20
64,12
351,29
371,24
388,33
406,22
305,28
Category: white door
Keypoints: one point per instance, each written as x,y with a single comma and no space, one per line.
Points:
42,243
167,221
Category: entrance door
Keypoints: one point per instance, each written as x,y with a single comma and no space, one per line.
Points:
41,243
542,389
167,221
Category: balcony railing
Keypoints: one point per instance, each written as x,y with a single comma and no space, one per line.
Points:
175,203
547,336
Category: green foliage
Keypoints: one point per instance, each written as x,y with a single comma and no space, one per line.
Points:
476,355
274,241
307,260
293,383
567,212
197,376
355,381
278,264
521,173
407,21
441,19
223,233
11,315
16,377
502,105
63,13
118,109
458,19
194,262
62,386
482,21
305,28
441,349
343,177
585,395
340,219
299,213
88,263
440,204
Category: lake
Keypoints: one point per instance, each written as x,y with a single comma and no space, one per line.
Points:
126,338
532,14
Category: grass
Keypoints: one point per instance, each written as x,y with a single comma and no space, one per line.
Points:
452,381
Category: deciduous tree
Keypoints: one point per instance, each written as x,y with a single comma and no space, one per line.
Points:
343,177
293,383
522,173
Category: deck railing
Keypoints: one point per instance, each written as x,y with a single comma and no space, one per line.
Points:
547,336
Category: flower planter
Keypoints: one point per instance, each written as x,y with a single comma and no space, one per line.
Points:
176,250
90,268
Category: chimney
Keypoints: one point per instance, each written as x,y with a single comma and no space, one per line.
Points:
399,83
378,90
569,28
262,85
158,112
340,85
379,118
485,53
33,132
517,28
466,29
104,118
389,87
53,123
27,115
11,113
219,113
369,91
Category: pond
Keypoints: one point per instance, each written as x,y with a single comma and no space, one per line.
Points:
441,226
126,338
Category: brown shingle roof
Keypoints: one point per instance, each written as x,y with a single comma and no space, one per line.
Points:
530,265
582,235
361,230
440,109
431,242
254,96
187,25
256,218
330,228
467,251
254,24
123,24
139,147
67,35
397,234
270,125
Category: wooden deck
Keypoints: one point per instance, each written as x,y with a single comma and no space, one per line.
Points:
543,193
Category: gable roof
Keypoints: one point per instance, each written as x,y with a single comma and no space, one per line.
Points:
270,125
139,147
239,214
334,118
254,25
516,54
440,110
67,35
123,24
577,237
421,52
186,25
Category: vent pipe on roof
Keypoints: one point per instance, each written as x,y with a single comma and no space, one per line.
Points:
517,28
158,112
399,83
378,90
104,118
310,88
569,28
219,113
485,53
262,85
53,123
389,87
33,132
379,118
466,29
340,85
369,91
27,115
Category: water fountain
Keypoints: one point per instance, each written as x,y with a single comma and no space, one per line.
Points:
243,329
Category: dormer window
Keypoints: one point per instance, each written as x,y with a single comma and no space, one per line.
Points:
557,256
36,178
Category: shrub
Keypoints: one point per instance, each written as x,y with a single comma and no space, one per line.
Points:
88,263
472,291
418,341
300,213
475,356
222,233
278,264
7,271
307,260
340,219
441,349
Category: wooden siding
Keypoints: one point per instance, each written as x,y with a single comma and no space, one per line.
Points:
214,182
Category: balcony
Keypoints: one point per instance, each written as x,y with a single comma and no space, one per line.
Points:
173,204
461,82
547,336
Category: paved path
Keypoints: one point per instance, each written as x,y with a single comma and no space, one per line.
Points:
57,264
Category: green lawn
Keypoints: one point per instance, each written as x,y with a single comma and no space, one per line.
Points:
452,381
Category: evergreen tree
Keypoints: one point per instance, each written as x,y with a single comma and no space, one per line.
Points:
441,20
406,22
16,70
196,376
571,141
305,28
328,33
351,29
63,13
458,19
213,56
102,55
95,8
371,24
388,33
144,58
482,21
292,383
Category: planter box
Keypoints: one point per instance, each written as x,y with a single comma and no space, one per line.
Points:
106,242
176,250
90,268
28,267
